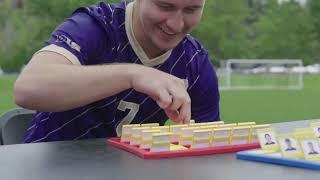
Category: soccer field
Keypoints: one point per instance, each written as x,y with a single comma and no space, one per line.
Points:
6,95
237,106
269,106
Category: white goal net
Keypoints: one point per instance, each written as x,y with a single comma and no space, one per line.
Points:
260,74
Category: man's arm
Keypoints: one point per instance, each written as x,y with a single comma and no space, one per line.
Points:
51,83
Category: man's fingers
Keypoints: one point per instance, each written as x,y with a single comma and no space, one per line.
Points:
164,99
173,115
179,95
185,112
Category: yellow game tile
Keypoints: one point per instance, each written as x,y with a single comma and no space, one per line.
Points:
307,129
315,123
163,129
227,125
240,135
289,146
161,142
174,147
127,131
267,139
222,141
215,123
254,136
136,135
161,137
150,125
316,128
221,136
241,131
246,123
176,129
310,145
146,138
238,140
185,140
210,127
201,139
186,135
311,149
197,124
222,132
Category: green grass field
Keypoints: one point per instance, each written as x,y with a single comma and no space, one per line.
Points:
6,95
271,106
238,106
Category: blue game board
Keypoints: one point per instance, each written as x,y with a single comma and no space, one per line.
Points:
275,158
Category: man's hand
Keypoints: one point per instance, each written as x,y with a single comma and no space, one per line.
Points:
167,90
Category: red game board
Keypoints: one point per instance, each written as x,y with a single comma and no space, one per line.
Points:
146,154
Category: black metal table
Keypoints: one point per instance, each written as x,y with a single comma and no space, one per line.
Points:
94,159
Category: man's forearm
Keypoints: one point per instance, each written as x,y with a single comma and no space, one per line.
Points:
61,87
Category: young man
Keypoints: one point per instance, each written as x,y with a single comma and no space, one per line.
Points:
114,64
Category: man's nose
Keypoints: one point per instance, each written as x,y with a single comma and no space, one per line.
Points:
176,22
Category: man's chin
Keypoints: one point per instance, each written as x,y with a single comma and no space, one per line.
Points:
167,47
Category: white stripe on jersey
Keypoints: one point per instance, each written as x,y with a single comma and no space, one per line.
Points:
192,58
125,47
195,81
154,113
121,25
45,119
59,128
177,61
100,107
31,127
111,10
118,47
94,127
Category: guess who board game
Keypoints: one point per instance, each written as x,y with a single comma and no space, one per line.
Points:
300,148
154,141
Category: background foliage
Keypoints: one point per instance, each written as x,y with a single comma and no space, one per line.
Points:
229,29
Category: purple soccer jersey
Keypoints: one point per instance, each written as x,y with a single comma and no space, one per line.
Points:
97,35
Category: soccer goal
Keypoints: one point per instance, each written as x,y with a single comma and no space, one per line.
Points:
260,74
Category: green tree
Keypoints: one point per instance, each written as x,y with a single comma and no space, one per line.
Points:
24,30
314,6
223,30
286,32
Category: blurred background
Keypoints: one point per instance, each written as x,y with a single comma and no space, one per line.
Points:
266,52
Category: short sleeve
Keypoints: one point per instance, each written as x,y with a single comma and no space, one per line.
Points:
82,36
204,93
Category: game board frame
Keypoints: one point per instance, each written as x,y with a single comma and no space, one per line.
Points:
145,154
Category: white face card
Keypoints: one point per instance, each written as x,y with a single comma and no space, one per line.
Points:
310,147
289,145
316,130
267,138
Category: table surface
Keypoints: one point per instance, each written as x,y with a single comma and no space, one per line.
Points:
94,159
